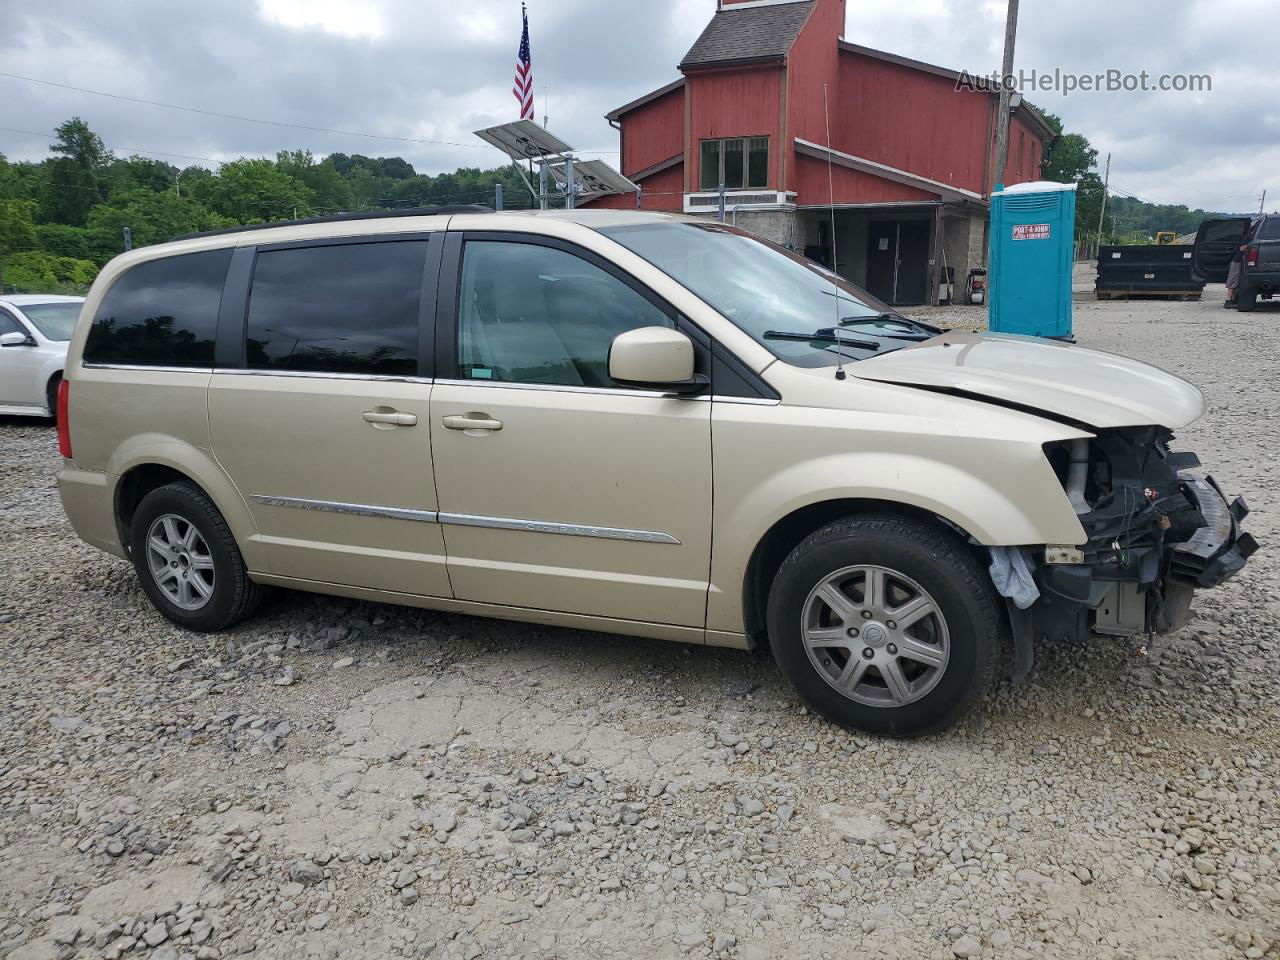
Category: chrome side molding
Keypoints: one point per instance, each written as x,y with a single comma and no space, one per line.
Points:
563,529
469,520
355,509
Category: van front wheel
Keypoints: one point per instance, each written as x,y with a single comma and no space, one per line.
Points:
885,625
188,561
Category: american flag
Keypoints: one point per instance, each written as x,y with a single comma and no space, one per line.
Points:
524,72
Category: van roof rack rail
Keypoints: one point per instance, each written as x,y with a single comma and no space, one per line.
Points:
341,217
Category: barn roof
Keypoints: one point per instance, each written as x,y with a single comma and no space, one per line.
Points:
748,32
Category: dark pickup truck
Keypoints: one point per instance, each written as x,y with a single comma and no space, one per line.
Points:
1217,242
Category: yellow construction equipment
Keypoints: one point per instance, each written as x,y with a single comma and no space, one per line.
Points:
1166,237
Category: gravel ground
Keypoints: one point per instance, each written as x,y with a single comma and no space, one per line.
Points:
341,779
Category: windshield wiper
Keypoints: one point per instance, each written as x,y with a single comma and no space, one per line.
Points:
914,327
821,336
848,320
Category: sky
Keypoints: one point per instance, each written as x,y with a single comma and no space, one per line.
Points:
422,75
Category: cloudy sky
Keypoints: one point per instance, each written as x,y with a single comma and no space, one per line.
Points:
429,72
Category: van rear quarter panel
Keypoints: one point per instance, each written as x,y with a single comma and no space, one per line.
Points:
122,419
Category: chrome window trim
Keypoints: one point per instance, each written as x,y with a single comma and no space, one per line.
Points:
607,391
315,375
751,401
143,366
555,388
564,529
354,509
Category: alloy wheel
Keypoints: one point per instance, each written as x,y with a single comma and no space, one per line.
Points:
875,635
180,562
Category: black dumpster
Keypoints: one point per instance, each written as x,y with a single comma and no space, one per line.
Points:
1149,270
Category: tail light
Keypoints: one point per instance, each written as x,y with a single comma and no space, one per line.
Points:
1251,257
64,423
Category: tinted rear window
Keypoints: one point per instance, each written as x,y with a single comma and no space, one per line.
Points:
342,308
1226,231
1269,229
161,313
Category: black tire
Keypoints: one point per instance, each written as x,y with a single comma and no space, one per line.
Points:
51,395
234,595
937,562
1246,300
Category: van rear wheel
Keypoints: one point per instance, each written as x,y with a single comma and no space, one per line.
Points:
188,561
885,625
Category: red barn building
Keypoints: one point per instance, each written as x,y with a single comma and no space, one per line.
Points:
912,156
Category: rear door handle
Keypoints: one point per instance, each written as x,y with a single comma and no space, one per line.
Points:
395,418
471,421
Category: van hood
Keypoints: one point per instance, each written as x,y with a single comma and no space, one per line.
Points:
1087,386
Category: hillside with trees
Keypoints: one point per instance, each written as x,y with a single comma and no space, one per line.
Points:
61,219
1129,220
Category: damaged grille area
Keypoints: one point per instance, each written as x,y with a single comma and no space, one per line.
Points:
1154,533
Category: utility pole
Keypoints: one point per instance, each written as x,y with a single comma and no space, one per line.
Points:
1102,212
1262,207
1006,78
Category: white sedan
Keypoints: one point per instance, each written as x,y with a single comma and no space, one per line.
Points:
34,331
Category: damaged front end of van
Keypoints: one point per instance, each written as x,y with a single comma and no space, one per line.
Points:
1156,531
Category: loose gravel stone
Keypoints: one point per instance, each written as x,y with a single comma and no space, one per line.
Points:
493,790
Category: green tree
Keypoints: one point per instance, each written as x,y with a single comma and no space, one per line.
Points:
75,176
1069,157
35,272
152,217
131,173
254,191
1088,206
17,232
332,193
65,241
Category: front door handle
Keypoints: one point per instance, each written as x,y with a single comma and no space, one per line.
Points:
472,421
392,417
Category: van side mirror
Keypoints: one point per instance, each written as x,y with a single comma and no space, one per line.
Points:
16,339
656,358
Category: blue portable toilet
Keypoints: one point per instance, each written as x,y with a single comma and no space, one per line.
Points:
1032,252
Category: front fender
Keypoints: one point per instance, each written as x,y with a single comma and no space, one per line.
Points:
989,514
150,448
1000,491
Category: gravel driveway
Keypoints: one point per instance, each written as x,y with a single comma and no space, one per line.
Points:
341,779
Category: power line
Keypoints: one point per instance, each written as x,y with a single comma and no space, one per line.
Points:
272,123
116,146
233,116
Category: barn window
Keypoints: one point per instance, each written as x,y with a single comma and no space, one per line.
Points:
737,162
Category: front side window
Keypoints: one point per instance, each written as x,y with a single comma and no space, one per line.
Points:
534,314
10,325
737,162
161,313
342,308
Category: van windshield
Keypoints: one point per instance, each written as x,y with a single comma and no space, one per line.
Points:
763,289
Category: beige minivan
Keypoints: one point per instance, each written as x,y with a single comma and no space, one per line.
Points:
636,423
